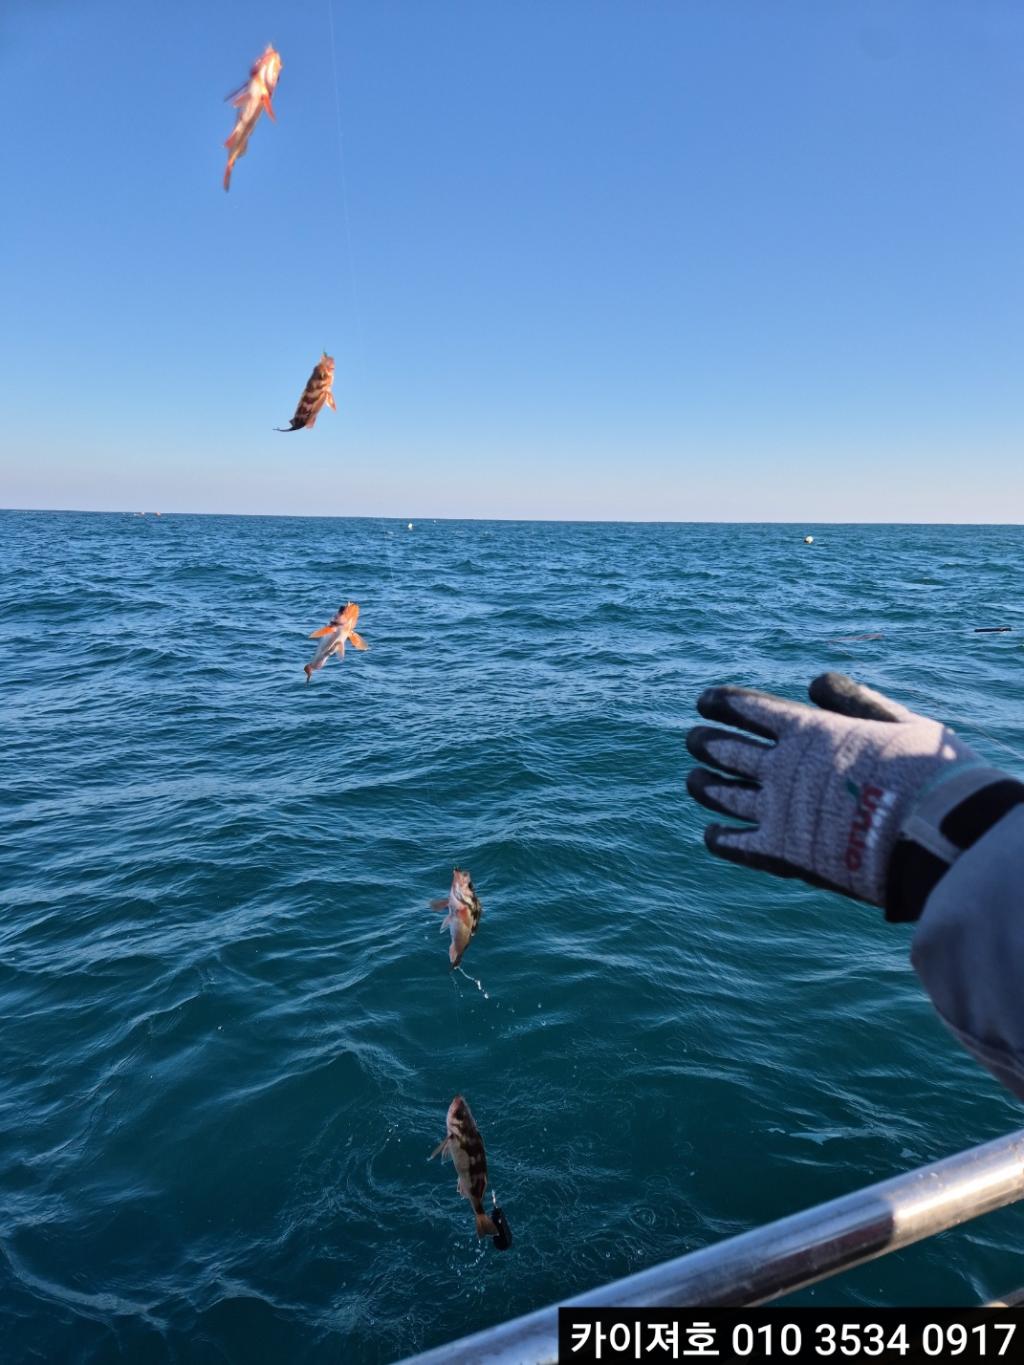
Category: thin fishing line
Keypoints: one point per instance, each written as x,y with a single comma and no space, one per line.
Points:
967,726
458,1001
993,739
935,710
344,181
476,982
389,536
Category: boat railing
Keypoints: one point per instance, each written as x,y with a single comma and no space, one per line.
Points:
778,1258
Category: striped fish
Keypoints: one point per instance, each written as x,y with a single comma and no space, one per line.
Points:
316,393
251,100
465,1146
464,911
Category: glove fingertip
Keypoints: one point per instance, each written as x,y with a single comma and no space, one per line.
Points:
830,684
744,707
725,840
695,742
844,696
709,703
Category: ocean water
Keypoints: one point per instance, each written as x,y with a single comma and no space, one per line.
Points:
229,1032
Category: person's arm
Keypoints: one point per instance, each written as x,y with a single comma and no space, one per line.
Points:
859,795
968,949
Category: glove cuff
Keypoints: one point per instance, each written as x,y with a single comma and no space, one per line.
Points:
948,818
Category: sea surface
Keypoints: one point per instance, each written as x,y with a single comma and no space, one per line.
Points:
229,1030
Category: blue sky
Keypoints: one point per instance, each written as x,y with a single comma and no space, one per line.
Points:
637,259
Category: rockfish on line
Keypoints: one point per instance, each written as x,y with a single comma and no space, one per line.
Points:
316,393
464,911
251,100
334,634
465,1146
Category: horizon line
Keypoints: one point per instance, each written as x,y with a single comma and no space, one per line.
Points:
554,521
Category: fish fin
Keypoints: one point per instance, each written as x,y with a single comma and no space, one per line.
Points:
357,640
324,630
454,954
265,101
312,421
485,1227
442,1150
331,403
439,905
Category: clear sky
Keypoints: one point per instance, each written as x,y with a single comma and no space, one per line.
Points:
637,259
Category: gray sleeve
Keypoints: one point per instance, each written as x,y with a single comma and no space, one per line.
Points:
968,949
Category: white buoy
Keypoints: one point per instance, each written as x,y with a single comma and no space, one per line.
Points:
808,540
409,527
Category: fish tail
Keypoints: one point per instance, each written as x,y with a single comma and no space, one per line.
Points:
484,1226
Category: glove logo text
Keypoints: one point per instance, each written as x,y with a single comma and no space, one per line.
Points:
865,826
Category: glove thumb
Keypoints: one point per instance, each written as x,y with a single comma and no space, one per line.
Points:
840,694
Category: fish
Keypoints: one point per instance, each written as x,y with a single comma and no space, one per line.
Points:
251,100
464,911
316,393
465,1146
334,634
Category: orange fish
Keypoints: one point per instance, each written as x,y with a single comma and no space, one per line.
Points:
465,1146
464,911
316,393
334,634
250,101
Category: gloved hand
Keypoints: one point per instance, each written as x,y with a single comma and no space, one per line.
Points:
855,793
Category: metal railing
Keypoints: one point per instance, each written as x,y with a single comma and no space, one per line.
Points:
780,1257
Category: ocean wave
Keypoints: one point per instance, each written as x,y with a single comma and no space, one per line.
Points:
231,1028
